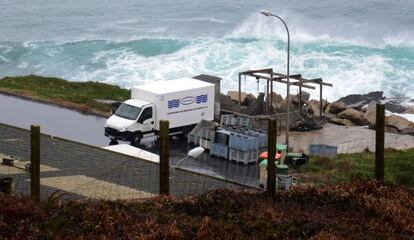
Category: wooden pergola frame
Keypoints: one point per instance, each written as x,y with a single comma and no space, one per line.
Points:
294,80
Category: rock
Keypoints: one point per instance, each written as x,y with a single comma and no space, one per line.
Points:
357,106
305,97
227,104
339,121
401,124
305,124
234,95
395,107
283,104
329,115
370,115
314,107
276,100
376,95
337,107
409,110
355,98
257,106
250,98
352,115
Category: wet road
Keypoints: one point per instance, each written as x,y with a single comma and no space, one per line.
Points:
89,129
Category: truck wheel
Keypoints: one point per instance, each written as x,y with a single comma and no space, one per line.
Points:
113,142
136,139
186,131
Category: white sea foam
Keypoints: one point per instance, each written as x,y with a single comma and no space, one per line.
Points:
408,116
350,72
257,43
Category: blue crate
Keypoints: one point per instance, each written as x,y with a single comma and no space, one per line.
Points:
219,150
243,142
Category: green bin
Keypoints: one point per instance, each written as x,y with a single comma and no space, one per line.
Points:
263,171
282,169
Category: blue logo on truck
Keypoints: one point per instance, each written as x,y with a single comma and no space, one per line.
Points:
187,100
175,103
201,99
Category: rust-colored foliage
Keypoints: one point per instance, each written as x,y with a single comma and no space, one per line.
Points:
359,210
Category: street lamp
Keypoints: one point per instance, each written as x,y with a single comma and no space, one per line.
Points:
269,14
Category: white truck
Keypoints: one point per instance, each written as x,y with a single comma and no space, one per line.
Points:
183,102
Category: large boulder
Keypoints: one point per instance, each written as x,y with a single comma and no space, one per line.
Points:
314,107
227,104
401,124
283,104
234,95
337,107
339,121
276,98
357,106
304,97
395,106
409,110
249,99
352,115
356,98
370,115
257,106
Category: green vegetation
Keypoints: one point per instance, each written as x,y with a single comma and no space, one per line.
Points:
79,95
399,168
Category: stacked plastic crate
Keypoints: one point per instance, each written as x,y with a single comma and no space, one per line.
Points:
207,137
231,120
243,148
203,130
220,145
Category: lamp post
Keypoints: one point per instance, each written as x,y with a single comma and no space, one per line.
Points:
269,14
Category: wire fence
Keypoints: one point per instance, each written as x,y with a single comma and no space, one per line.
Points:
73,170
82,171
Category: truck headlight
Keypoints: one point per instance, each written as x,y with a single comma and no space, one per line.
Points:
123,129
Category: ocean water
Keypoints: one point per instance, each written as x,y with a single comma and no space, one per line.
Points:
359,46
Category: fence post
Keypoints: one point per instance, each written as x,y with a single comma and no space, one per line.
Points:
35,162
379,142
164,158
271,152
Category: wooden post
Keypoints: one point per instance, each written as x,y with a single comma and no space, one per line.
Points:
271,93
238,105
320,101
271,153
267,97
379,143
35,162
164,158
300,100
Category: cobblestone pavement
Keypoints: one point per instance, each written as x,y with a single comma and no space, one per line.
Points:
105,170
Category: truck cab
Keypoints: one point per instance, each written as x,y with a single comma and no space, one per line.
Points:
131,121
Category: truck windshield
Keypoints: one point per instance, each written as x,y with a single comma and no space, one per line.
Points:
128,111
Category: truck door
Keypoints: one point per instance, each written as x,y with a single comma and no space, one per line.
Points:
147,119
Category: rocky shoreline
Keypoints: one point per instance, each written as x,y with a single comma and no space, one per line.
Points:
351,110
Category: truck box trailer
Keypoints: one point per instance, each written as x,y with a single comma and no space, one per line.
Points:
183,102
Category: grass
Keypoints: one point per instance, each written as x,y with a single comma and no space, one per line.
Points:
79,95
399,168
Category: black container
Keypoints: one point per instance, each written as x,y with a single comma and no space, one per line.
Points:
222,137
6,185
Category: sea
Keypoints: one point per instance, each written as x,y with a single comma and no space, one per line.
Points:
358,46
